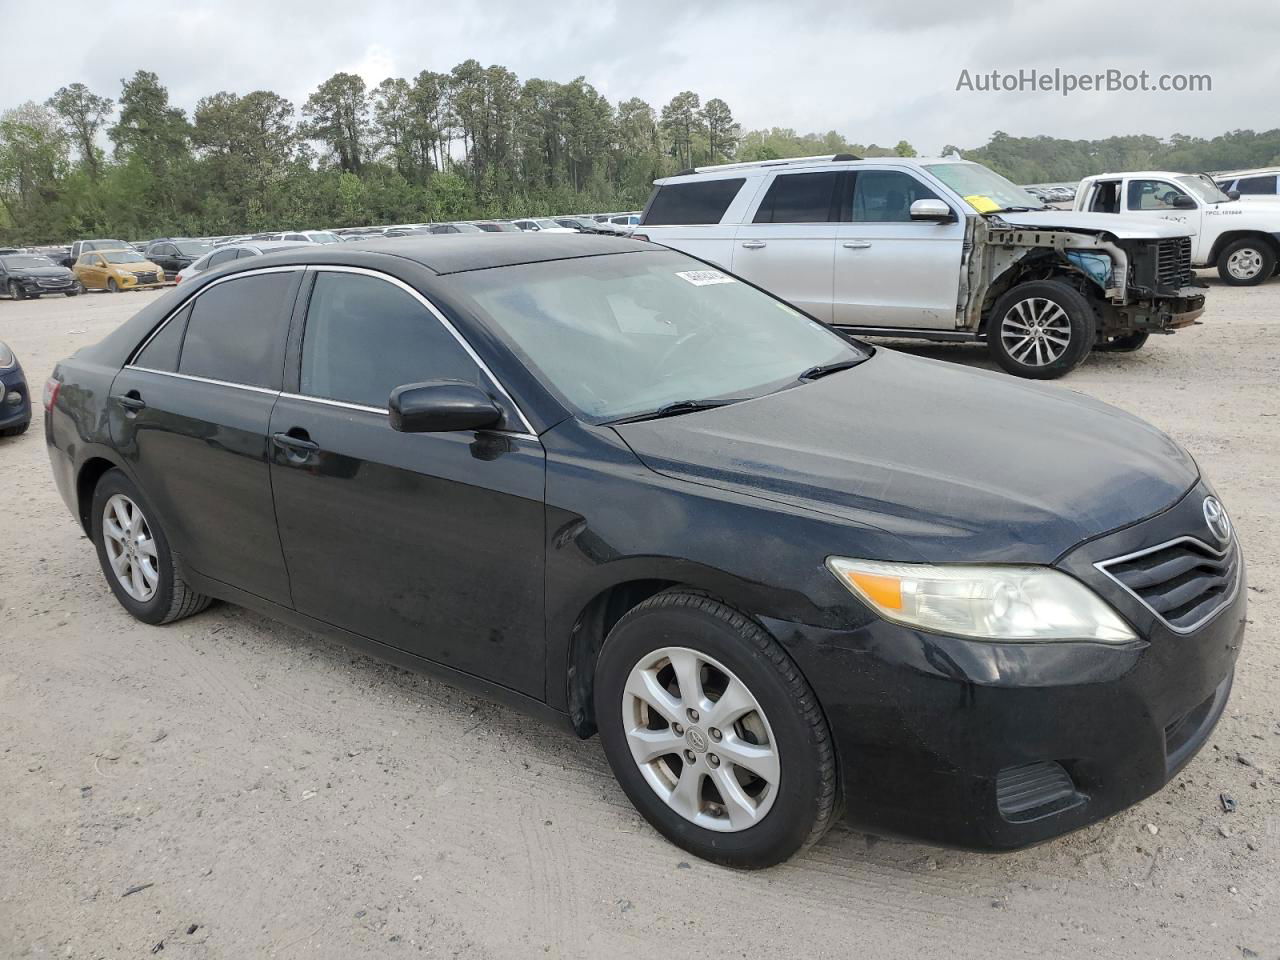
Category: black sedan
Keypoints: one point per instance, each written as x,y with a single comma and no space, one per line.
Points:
174,256
30,275
15,396
784,575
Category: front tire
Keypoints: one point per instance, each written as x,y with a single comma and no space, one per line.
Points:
1041,330
1246,263
15,291
713,733
141,568
112,286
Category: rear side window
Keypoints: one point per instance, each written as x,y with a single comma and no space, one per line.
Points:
237,330
886,196
699,201
799,198
365,337
221,257
161,352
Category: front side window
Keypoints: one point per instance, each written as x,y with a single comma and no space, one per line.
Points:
698,201
365,336
798,198
881,196
620,335
237,330
1152,195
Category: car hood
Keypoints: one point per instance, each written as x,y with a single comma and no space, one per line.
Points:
60,272
1121,227
956,464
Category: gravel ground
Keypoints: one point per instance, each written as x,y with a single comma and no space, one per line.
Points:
230,787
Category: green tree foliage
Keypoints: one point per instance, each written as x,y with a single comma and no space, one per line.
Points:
473,142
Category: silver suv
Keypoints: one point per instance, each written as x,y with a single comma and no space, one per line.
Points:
940,249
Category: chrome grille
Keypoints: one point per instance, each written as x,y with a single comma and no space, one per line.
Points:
1173,262
53,282
145,276
1183,582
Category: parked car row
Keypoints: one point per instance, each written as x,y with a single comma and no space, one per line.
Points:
1052,194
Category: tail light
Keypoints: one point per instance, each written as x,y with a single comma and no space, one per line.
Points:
51,388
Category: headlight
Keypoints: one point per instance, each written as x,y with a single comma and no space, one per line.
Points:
7,359
1001,603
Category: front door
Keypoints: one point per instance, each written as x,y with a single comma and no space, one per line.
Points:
890,270
432,543
789,246
190,413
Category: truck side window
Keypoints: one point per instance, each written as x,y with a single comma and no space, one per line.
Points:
881,196
1152,195
1106,197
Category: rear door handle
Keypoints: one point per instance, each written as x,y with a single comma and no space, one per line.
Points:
754,244
132,401
856,244
295,445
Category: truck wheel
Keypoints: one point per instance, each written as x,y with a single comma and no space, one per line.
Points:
1124,343
1246,262
1041,330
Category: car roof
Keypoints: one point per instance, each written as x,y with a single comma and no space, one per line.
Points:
461,252
1166,174
761,168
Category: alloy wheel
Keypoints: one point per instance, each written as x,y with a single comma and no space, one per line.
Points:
131,549
1245,263
701,739
1035,331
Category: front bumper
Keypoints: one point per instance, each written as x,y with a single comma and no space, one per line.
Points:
957,742
14,414
31,285
1163,314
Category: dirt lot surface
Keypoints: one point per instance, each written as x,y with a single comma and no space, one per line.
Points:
279,796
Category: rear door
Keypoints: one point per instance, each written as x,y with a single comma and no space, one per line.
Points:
165,256
190,413
789,245
431,542
890,270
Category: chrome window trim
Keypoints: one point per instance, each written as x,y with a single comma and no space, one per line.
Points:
217,383
434,311
1232,547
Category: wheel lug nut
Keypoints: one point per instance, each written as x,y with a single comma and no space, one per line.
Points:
677,730
713,760
690,756
693,715
715,733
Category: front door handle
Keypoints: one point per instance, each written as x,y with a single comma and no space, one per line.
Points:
856,244
131,401
754,244
297,448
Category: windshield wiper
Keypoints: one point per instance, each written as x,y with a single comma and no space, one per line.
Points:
1022,209
677,408
815,373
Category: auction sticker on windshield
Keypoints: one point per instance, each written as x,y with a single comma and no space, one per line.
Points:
704,278
982,204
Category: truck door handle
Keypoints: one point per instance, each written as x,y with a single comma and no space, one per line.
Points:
132,401
754,244
856,244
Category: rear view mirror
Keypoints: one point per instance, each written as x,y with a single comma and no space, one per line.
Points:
1183,202
934,210
441,406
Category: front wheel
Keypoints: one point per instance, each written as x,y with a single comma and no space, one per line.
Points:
712,732
112,286
141,568
1041,330
15,291
1246,263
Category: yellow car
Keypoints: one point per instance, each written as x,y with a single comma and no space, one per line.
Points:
116,270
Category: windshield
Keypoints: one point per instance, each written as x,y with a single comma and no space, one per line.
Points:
1204,188
324,236
193,248
103,245
547,224
22,262
616,336
122,256
984,190
467,228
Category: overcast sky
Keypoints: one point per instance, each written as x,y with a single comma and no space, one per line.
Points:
876,70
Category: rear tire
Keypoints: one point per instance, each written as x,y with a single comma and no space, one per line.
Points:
143,571
1124,343
1041,330
1246,263
745,731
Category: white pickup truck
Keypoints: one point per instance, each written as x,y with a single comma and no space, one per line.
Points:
937,249
1241,239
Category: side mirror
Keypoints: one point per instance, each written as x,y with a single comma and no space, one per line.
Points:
441,406
1233,194
1183,202
934,210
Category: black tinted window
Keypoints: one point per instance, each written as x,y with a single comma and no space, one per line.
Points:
700,201
237,330
798,198
886,196
1257,185
365,337
162,352
221,257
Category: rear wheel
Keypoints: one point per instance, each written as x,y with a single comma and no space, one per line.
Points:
712,732
141,568
1041,330
1246,262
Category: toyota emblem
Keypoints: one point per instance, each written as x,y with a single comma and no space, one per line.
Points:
1216,517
